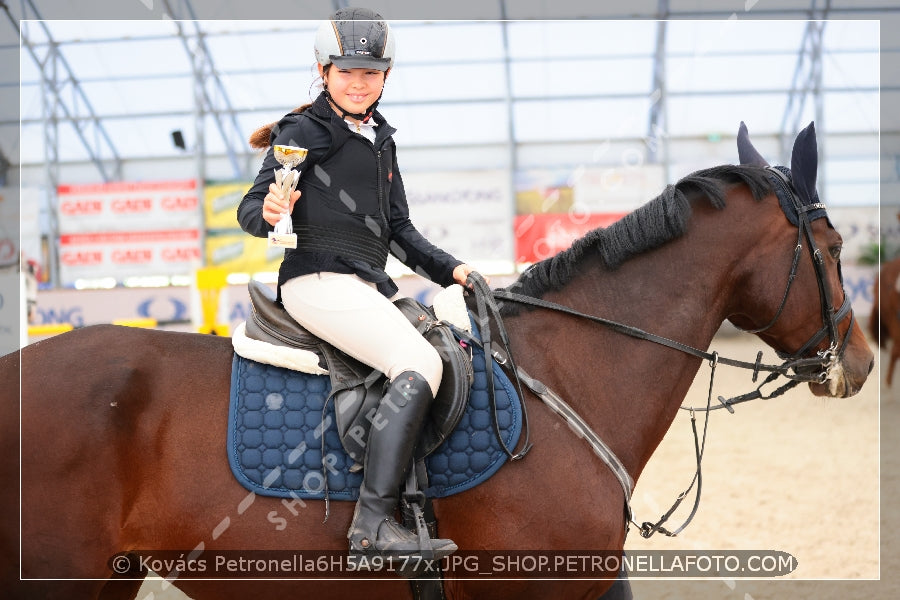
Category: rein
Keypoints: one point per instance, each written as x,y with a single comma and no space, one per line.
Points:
487,308
791,363
824,360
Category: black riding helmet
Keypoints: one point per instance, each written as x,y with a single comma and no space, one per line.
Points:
355,38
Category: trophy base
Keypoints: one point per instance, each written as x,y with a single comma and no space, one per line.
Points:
282,240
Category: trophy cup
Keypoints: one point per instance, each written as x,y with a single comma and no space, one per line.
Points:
286,178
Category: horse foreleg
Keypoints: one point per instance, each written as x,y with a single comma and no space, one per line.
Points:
72,588
52,589
895,356
125,585
620,590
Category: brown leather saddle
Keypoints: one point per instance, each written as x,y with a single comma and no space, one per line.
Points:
356,388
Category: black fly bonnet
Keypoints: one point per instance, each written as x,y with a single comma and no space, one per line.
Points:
804,157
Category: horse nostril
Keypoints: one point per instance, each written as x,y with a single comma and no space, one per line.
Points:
871,366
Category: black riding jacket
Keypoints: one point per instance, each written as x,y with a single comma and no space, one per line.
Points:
352,210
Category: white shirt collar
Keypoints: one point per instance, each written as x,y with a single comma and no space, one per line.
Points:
366,128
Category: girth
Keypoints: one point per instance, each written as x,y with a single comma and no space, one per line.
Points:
357,389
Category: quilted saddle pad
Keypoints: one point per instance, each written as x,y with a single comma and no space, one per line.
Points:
280,422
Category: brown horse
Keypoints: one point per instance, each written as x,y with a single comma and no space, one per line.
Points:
123,431
884,325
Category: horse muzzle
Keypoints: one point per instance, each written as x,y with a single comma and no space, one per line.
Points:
845,376
845,365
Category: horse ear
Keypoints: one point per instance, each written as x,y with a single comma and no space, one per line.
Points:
805,163
746,152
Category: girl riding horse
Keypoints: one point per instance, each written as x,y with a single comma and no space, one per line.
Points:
353,213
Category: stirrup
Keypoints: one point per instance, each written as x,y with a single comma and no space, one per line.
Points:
405,551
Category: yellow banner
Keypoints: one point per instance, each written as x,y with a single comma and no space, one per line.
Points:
242,253
221,201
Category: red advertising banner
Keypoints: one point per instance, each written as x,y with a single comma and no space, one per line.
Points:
540,236
129,206
125,254
129,229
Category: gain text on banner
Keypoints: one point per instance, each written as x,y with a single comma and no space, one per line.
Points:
128,206
123,254
128,229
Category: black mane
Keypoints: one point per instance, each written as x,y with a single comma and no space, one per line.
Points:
662,219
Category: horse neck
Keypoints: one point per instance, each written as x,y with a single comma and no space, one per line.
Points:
629,390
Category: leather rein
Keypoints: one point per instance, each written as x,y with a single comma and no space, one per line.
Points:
796,367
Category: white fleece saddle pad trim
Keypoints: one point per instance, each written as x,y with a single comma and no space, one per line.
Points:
450,306
296,359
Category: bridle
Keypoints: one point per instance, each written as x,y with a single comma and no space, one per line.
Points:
797,367
810,369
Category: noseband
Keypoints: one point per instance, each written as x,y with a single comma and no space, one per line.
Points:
816,368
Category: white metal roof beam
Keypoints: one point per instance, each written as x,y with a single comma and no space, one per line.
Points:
657,122
65,99
210,92
807,79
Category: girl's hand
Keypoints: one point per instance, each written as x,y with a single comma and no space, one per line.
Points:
274,204
461,273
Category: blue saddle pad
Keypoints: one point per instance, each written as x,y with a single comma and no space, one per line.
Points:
278,418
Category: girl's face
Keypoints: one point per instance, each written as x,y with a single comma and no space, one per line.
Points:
354,90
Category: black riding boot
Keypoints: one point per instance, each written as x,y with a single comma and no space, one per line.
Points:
395,430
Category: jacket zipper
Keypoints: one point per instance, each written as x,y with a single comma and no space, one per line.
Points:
380,192
380,175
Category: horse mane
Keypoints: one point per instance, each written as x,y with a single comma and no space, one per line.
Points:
658,221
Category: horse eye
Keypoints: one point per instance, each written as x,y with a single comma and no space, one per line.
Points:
835,252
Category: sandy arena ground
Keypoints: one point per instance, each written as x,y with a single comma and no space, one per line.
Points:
800,474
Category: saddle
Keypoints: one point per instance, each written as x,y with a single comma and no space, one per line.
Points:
356,388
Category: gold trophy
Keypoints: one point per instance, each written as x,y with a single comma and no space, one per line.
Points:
286,178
